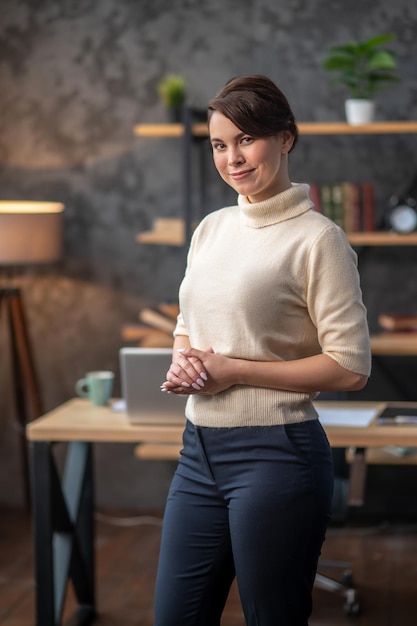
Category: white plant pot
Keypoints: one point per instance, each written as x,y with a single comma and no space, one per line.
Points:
359,111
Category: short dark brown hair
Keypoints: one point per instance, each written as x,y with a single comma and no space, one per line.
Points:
256,106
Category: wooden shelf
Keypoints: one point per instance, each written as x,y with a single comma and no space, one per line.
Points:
176,237
384,456
382,239
394,344
341,128
305,128
169,130
171,232
165,231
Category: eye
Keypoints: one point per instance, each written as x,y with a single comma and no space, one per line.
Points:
218,146
247,140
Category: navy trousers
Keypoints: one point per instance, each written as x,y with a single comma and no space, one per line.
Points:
251,502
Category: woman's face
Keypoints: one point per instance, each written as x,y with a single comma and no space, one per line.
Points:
254,167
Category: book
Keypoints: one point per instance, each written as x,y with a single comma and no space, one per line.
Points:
315,197
351,207
146,336
337,209
326,201
348,204
135,332
170,309
156,339
398,321
157,319
368,209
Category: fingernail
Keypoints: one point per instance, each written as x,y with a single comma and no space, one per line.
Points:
196,386
163,389
204,376
180,349
200,382
184,384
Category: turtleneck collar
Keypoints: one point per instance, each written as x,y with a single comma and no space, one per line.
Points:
283,206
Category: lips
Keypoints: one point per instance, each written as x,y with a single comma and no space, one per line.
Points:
240,175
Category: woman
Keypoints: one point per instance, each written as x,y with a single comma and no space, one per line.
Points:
271,314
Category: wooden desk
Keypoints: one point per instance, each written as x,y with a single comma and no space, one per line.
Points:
78,420
394,344
63,509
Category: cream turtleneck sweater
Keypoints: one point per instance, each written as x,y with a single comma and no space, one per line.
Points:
270,281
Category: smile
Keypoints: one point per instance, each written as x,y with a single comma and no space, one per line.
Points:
240,175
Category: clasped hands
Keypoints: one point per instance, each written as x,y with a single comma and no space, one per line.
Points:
200,372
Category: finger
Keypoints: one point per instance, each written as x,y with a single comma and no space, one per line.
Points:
184,372
184,381
168,387
196,357
193,352
198,367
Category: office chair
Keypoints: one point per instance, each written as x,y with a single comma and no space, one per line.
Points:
345,586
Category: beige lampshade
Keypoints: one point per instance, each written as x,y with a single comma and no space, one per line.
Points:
30,232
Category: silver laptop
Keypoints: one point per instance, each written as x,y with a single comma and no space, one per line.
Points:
142,372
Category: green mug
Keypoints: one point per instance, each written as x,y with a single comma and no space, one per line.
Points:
97,386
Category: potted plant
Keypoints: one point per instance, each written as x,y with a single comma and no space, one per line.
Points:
172,91
363,67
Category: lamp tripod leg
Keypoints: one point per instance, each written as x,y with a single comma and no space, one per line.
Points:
25,383
23,350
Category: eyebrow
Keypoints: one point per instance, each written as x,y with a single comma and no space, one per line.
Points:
238,136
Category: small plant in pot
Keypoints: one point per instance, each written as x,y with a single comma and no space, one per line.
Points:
363,67
172,91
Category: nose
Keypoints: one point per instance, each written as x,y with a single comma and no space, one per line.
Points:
235,156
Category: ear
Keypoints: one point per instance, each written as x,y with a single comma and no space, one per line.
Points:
287,139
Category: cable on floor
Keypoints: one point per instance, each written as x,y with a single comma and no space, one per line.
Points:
137,520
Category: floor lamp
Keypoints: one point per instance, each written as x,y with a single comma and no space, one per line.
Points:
30,235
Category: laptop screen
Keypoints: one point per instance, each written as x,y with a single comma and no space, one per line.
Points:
142,371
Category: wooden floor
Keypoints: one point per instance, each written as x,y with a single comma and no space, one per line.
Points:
384,560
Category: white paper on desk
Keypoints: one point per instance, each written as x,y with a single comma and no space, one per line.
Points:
346,417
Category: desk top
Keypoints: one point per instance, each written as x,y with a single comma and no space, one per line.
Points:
78,420
394,344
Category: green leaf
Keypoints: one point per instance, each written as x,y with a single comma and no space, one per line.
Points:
362,67
338,63
382,59
374,42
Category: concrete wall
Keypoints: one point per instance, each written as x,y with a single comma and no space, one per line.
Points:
75,77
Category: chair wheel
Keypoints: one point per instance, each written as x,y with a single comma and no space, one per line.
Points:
352,608
347,580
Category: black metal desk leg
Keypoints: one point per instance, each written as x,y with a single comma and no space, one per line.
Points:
63,532
43,533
